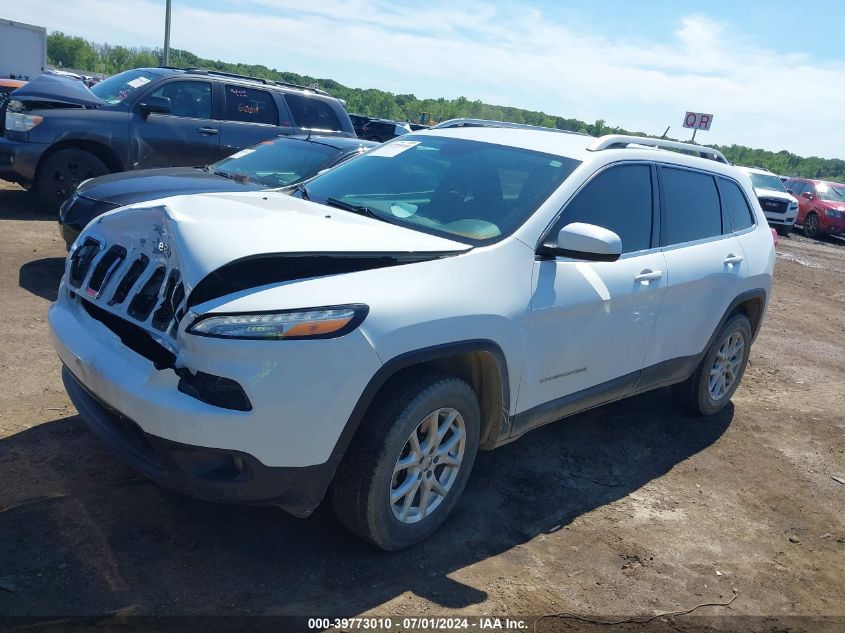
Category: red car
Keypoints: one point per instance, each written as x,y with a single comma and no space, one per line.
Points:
821,206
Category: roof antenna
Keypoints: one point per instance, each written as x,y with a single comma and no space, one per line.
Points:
666,132
308,138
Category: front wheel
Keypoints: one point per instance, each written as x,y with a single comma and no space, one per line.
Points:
811,225
60,175
409,461
717,377
783,231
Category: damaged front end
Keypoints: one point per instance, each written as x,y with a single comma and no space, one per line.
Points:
139,271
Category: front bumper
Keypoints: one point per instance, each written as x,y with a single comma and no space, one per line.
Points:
302,392
831,225
18,160
780,220
211,474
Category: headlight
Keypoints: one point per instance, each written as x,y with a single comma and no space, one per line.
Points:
834,213
793,205
19,122
314,323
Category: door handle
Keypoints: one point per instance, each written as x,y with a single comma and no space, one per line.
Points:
648,275
210,131
733,259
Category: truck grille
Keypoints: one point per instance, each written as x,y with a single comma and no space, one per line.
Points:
774,206
145,293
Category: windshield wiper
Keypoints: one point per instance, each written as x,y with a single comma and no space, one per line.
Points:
360,209
224,174
303,191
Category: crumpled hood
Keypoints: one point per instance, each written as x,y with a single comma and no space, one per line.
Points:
202,233
59,89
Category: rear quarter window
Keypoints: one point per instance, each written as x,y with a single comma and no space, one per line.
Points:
690,206
735,206
312,113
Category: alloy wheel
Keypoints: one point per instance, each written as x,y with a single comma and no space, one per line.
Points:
428,465
726,366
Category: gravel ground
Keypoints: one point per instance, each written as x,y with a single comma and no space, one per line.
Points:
629,510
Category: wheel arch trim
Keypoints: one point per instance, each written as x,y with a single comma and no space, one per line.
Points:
428,356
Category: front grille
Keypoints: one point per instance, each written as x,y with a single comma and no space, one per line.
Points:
80,261
773,205
104,269
142,304
140,290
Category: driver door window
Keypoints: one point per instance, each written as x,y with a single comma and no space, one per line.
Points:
190,99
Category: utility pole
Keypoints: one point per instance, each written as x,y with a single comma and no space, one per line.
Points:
167,35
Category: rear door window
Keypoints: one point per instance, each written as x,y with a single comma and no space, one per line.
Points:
690,206
311,113
618,199
735,206
250,105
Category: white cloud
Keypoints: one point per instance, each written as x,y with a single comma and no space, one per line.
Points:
451,49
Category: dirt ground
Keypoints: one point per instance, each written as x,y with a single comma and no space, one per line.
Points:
630,510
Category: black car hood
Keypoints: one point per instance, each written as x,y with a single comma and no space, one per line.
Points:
58,89
151,184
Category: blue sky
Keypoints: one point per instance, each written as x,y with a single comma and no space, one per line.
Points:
772,73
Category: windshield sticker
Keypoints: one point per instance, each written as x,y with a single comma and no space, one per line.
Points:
242,153
393,149
138,82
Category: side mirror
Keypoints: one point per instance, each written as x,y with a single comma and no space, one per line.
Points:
807,195
158,105
579,240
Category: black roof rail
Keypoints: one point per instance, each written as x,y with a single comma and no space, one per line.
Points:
488,123
263,80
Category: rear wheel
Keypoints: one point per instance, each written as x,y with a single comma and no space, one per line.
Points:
60,175
783,231
409,461
718,375
811,225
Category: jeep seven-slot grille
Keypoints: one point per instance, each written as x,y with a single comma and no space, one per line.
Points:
147,294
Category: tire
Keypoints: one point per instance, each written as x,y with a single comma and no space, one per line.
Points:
697,393
783,231
811,225
60,175
361,490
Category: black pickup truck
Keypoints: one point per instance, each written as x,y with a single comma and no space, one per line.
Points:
60,133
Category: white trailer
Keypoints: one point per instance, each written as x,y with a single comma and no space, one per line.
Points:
23,50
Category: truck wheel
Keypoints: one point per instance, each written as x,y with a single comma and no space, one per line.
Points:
409,461
717,377
59,175
811,225
783,231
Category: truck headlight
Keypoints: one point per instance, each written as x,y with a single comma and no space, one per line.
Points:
312,323
834,213
19,122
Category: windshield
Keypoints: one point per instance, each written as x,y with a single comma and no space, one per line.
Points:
446,186
834,194
117,88
767,181
277,163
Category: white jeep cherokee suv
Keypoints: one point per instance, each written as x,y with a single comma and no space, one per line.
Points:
448,291
779,206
